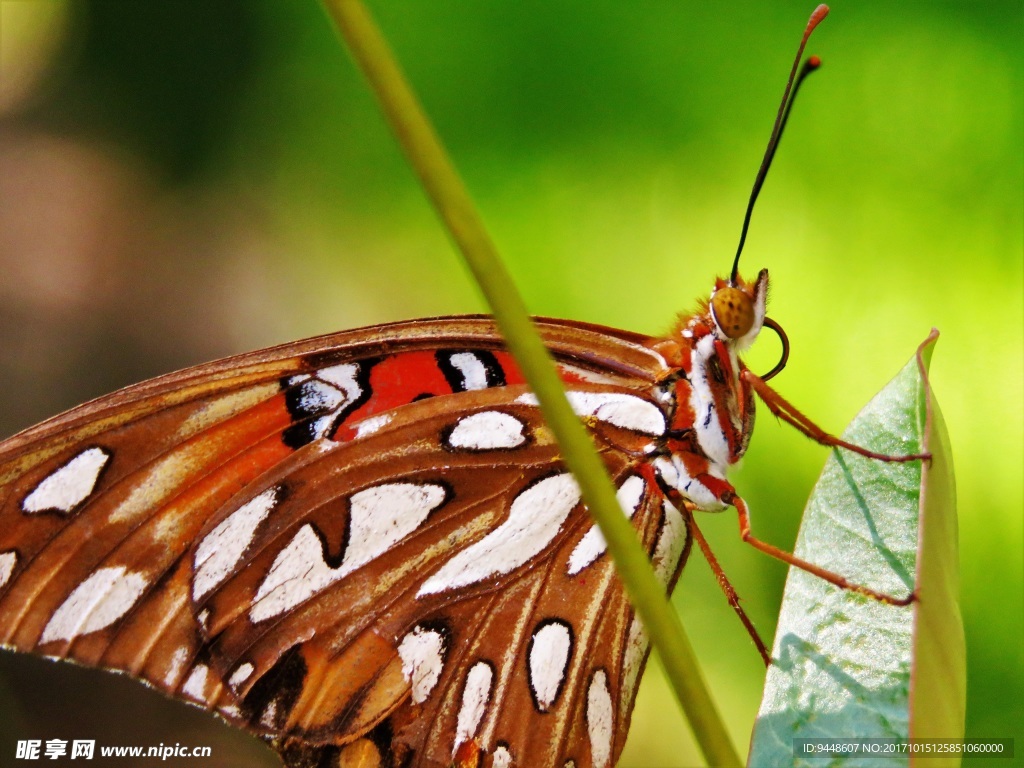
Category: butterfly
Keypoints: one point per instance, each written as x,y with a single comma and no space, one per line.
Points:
365,548
334,540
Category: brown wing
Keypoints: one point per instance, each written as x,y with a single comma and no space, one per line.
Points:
441,595
100,508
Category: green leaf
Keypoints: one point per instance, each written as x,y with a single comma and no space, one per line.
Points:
848,666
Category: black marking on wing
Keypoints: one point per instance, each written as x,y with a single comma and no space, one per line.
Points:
306,407
382,737
281,685
299,754
333,558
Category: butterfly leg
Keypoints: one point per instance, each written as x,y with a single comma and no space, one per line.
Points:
723,582
785,410
730,497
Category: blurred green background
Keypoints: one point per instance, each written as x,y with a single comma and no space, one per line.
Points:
181,181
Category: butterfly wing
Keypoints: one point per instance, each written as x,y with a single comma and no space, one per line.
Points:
448,593
106,510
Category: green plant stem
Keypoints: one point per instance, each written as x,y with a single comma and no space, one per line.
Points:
449,196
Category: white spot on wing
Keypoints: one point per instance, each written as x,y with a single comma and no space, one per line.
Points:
671,542
318,396
195,685
298,572
322,425
70,485
615,408
535,518
422,652
486,431
372,424
550,649
178,659
241,674
600,719
593,545
344,378
379,517
501,758
475,696
7,562
324,446
269,716
636,649
99,601
474,373
219,552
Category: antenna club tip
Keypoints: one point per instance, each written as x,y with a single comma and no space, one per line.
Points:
813,62
819,13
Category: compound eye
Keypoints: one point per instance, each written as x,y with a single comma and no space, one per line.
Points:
733,310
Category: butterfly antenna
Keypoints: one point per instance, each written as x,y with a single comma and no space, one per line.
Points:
792,88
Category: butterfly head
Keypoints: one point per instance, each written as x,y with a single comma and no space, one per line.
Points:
737,309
